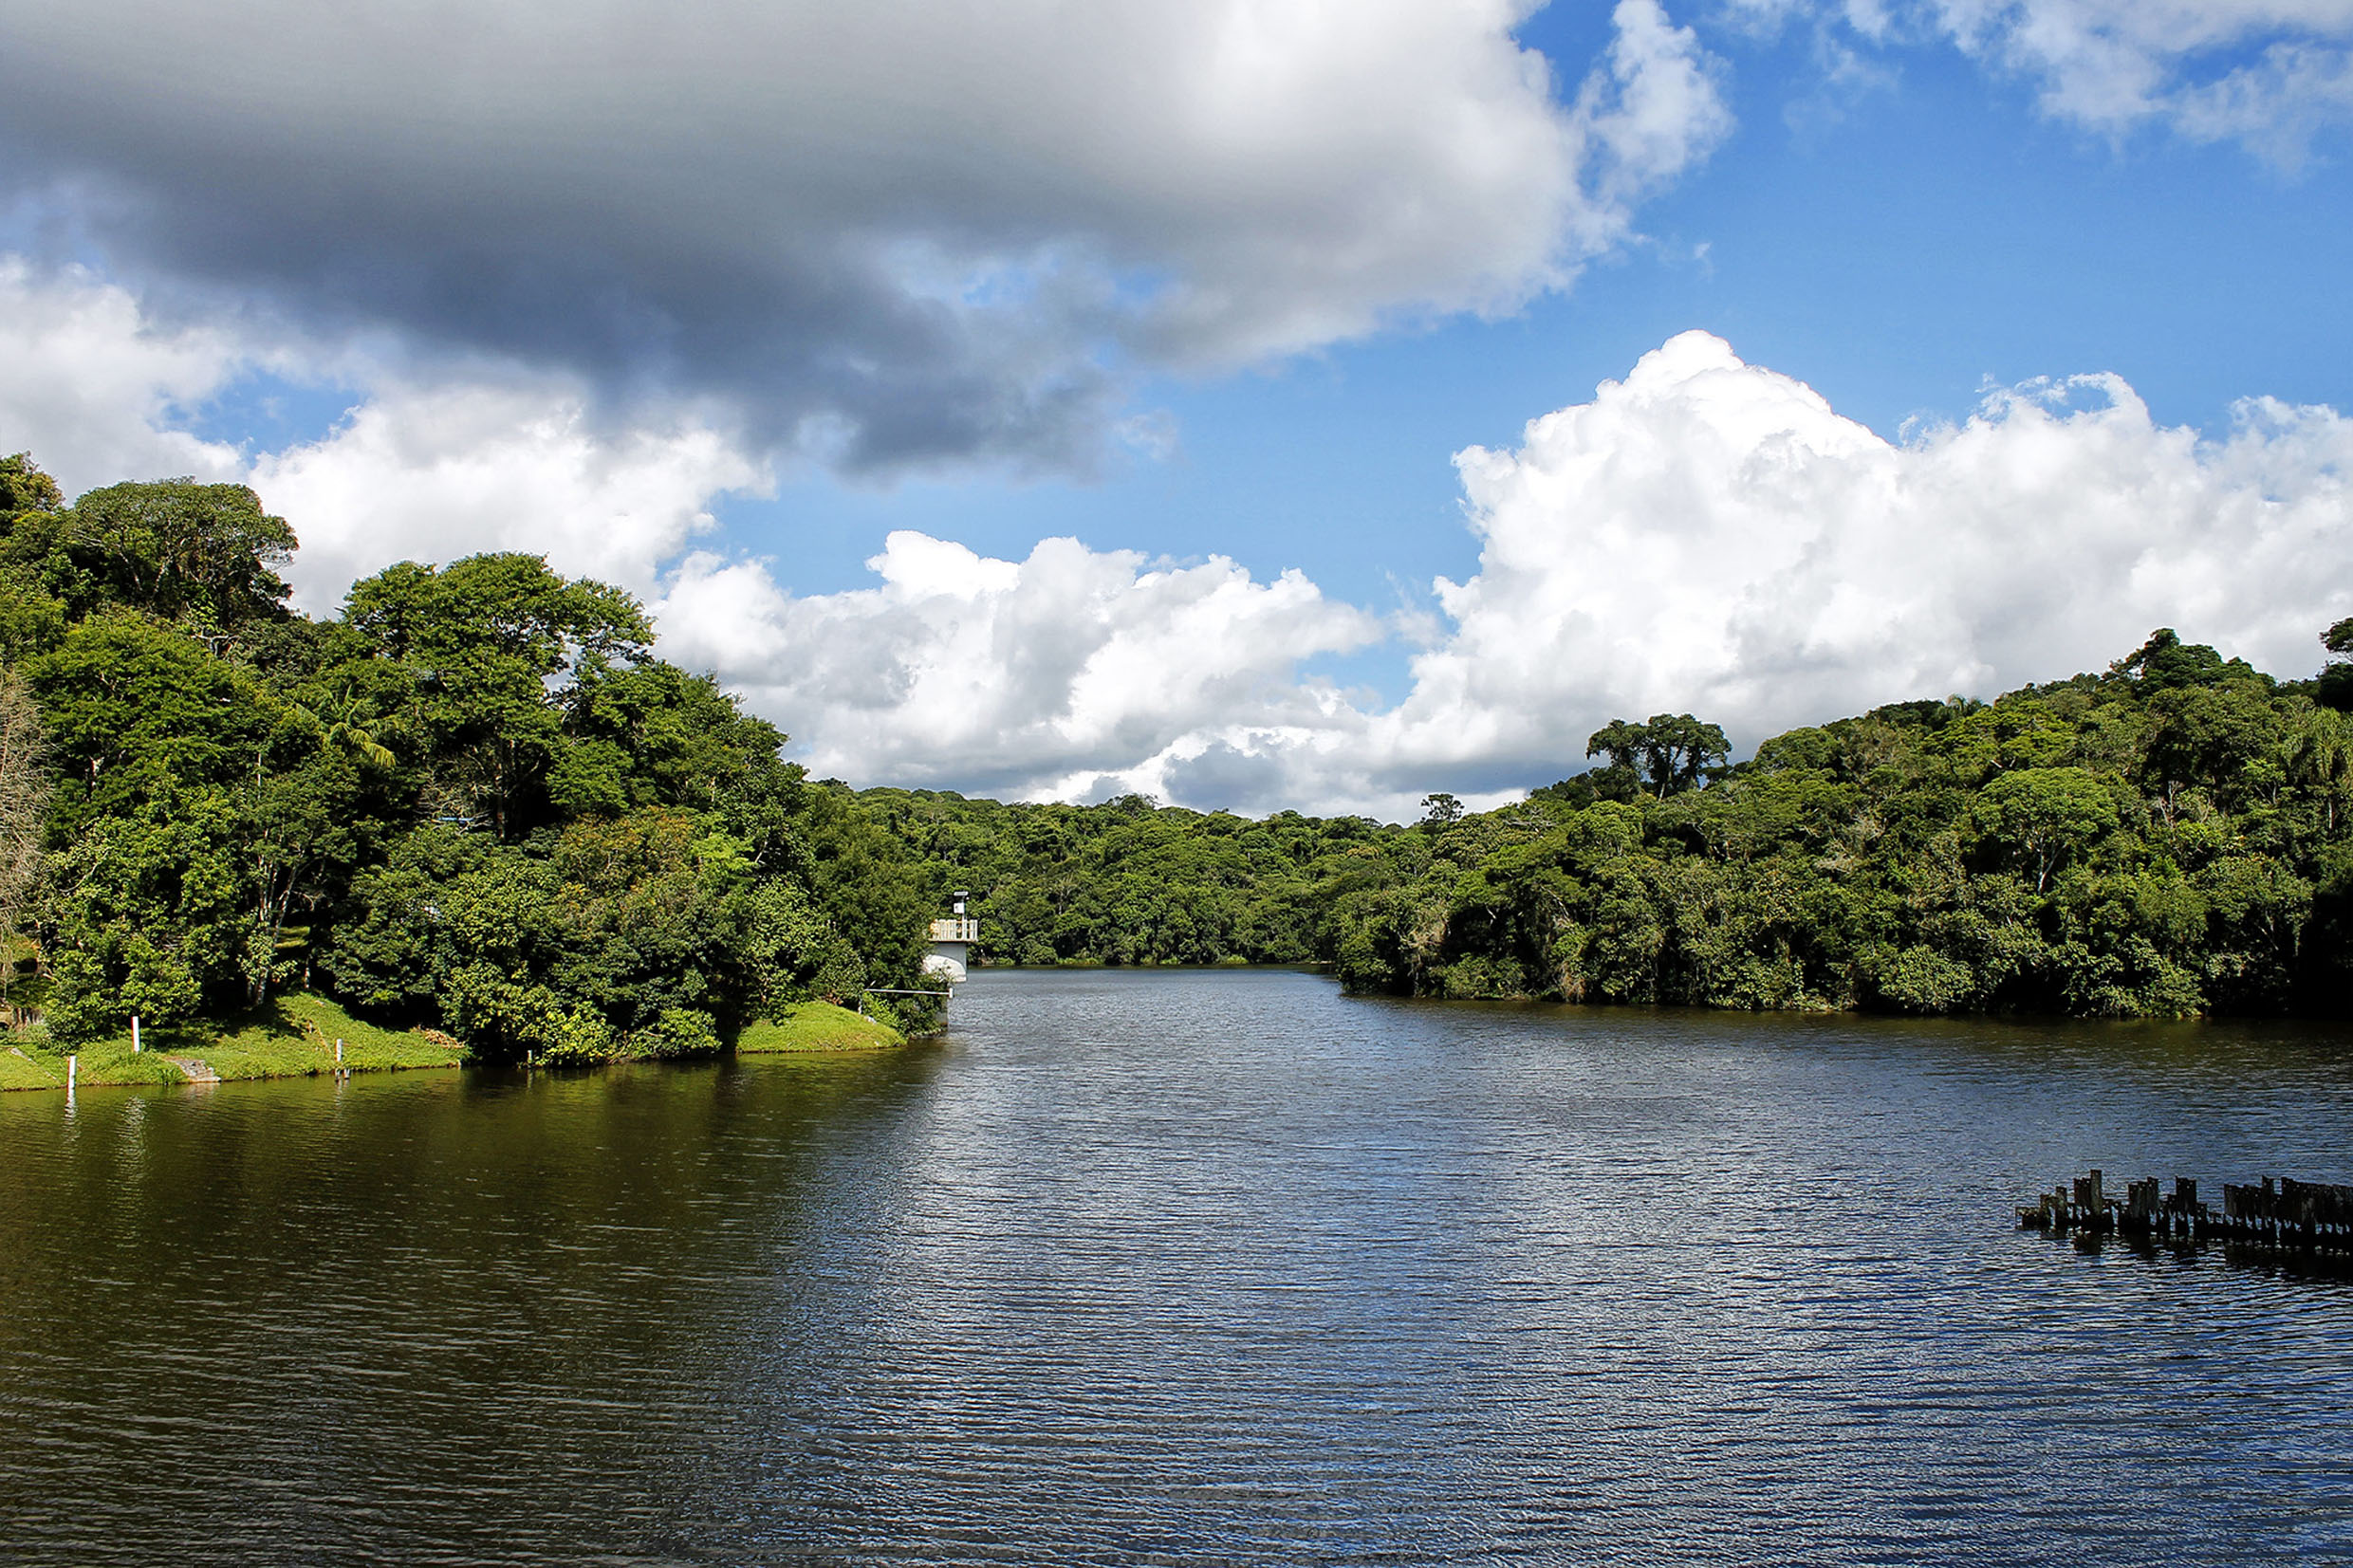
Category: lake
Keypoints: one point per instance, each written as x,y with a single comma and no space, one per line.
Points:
1186,1266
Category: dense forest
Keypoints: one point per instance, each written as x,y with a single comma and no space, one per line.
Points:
2167,837
474,800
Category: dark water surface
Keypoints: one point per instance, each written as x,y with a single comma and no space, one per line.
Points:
1185,1267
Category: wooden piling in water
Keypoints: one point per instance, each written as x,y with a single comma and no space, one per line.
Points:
2285,1213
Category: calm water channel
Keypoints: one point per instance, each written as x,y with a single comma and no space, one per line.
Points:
1185,1267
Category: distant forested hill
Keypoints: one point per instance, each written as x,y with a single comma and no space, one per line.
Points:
1132,882
2167,837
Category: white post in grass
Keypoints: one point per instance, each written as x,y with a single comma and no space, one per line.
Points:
134,1045
339,1053
73,1069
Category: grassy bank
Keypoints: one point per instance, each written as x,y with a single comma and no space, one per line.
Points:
815,1026
292,1037
295,1036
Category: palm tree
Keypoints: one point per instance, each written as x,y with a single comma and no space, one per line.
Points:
2320,758
343,727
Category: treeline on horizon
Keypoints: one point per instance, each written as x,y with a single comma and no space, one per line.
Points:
2166,838
474,800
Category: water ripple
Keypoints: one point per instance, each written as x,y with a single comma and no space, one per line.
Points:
1186,1268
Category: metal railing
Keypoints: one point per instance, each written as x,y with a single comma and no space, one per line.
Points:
945,994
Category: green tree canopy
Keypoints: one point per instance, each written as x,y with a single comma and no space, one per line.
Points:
1671,752
179,549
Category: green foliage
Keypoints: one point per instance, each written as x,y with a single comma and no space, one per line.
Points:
2167,838
2045,819
675,1033
182,551
2165,663
473,800
506,1018
23,812
1671,753
815,1026
575,948
1129,882
137,712
2335,683
875,895
491,646
147,914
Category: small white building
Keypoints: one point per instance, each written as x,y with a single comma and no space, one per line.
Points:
952,943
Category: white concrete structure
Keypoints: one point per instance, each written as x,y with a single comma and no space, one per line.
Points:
951,941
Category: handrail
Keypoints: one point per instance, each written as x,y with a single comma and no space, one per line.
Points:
946,995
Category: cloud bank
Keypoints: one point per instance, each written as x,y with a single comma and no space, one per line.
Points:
1705,535
902,232
1070,674
497,459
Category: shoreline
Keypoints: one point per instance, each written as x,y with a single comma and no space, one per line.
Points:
297,1036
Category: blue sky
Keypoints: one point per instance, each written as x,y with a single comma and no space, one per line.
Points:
1903,209
1897,244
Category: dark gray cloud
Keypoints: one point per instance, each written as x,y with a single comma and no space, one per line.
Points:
894,232
1224,778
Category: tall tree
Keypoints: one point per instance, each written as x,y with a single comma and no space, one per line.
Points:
1671,752
24,810
493,644
2320,758
2336,677
206,553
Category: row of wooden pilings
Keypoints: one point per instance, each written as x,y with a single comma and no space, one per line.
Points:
2303,1216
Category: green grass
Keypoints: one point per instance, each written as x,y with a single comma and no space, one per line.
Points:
292,1037
103,1061
815,1026
20,1071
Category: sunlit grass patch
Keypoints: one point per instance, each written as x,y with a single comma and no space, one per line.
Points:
19,1069
290,1036
102,1061
815,1026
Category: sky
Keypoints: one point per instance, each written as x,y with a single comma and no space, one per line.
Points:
1260,406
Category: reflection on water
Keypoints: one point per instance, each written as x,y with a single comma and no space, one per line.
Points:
1209,1267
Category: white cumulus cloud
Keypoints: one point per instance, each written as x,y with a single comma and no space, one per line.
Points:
1704,536
1068,673
514,464
1711,536
502,460
93,387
